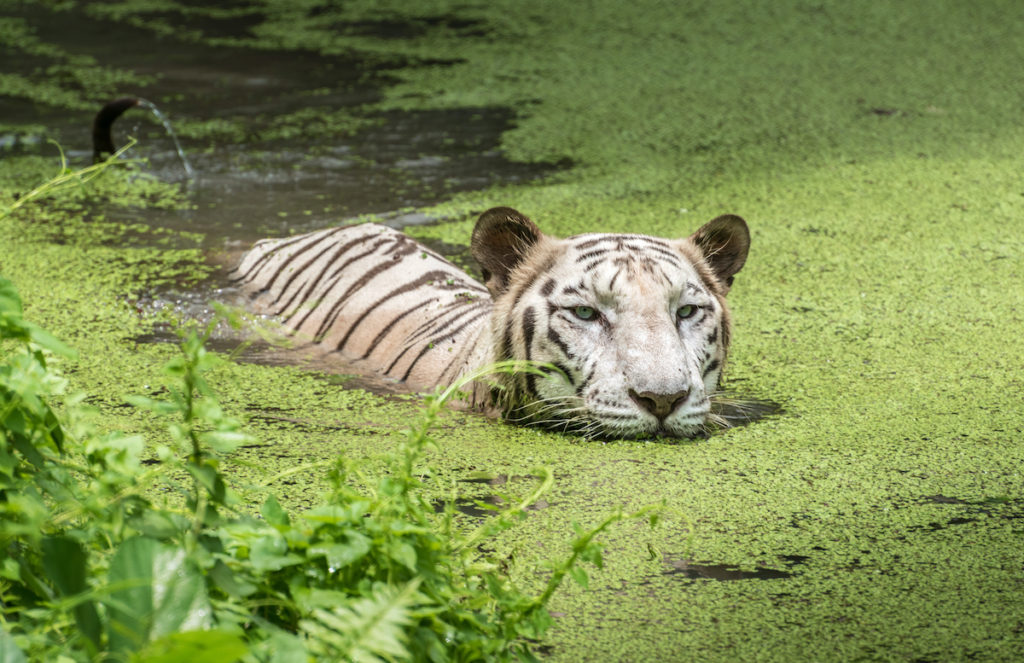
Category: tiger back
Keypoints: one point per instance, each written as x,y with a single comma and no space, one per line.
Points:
373,295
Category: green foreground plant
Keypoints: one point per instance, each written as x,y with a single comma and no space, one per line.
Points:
68,178
94,567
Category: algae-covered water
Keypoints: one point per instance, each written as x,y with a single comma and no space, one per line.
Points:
874,149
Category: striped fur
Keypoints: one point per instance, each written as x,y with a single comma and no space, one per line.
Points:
373,295
635,328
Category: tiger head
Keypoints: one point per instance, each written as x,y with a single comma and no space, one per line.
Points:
635,327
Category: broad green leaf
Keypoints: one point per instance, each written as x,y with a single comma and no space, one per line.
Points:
231,583
273,513
340,555
285,648
159,524
20,441
580,576
212,480
403,553
9,652
158,591
48,341
270,553
309,599
194,647
330,514
225,441
65,562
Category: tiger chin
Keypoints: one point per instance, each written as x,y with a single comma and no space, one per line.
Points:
632,331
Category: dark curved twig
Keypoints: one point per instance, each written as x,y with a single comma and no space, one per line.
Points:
102,141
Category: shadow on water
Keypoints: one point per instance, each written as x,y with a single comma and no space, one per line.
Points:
734,410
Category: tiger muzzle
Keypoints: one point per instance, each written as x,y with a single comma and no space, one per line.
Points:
660,405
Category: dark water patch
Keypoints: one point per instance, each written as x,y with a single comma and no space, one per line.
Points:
491,503
705,571
281,141
494,479
971,511
205,76
489,478
474,508
792,560
242,193
942,499
485,507
694,571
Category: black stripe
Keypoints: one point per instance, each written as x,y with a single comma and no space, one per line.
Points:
388,327
713,336
529,325
530,281
653,241
620,240
664,276
400,290
428,346
438,324
557,340
712,366
281,308
335,311
334,276
597,240
506,344
591,254
660,249
611,284
337,270
547,288
586,380
281,244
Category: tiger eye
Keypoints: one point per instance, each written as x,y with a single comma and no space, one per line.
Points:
684,312
584,312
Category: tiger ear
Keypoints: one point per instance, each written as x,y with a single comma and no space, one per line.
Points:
501,239
724,243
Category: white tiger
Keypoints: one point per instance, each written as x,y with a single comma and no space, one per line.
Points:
636,326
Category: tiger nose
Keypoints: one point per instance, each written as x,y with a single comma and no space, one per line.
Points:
660,405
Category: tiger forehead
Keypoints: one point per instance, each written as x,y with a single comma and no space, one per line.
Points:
613,269
598,244
606,264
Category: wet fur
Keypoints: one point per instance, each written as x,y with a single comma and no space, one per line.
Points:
350,290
